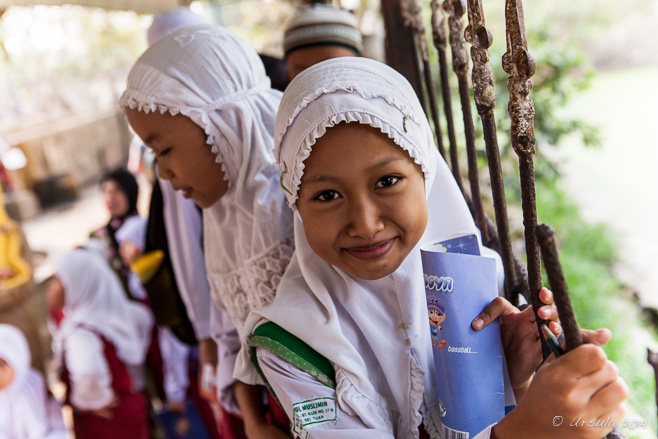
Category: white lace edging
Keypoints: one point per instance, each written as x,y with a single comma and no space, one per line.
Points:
293,178
134,100
322,91
254,284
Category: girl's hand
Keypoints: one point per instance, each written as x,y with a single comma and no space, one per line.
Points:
520,337
105,412
579,395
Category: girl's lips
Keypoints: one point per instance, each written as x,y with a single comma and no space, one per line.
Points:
187,193
371,251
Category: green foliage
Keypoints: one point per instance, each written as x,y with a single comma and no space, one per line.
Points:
587,255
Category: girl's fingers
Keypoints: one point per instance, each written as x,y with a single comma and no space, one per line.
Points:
498,307
610,398
548,312
599,337
555,328
546,296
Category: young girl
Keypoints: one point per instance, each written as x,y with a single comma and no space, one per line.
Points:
27,410
359,167
200,99
100,347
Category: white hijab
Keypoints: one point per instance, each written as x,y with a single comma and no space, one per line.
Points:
375,333
133,230
212,76
22,403
95,299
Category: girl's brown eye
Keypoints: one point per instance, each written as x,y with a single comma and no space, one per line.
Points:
327,196
387,181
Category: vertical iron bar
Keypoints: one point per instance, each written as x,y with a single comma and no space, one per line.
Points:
413,18
549,254
485,100
460,66
439,38
652,358
520,66
570,328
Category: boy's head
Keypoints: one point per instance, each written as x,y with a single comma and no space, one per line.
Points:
199,97
320,32
14,357
355,152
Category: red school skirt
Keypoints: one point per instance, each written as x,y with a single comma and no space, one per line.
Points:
129,419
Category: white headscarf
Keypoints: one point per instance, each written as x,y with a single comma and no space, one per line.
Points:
170,20
22,403
94,299
133,230
212,76
375,333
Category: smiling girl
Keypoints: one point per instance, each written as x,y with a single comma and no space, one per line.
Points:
345,346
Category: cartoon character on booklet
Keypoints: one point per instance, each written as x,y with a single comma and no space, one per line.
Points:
437,316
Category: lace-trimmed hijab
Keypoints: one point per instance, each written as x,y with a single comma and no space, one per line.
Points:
212,76
374,332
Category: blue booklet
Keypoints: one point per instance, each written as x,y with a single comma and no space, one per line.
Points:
186,425
459,284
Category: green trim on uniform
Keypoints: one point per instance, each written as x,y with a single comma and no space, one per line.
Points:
286,346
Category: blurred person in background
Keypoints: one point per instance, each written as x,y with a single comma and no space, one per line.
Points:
17,288
99,348
320,32
120,191
177,341
27,409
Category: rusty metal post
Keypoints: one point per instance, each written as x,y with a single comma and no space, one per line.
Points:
485,100
652,358
570,328
413,18
439,38
400,47
520,66
549,253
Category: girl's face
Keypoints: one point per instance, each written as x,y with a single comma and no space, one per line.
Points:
55,294
129,252
362,201
6,374
115,199
182,154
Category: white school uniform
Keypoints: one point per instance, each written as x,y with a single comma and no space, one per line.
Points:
385,383
215,78
95,304
27,411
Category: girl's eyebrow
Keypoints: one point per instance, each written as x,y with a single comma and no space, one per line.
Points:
323,178
149,139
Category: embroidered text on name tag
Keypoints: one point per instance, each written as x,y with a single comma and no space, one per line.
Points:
313,411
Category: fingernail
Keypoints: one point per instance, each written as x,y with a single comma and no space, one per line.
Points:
478,323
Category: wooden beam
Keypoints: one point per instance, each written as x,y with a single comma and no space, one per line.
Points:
400,47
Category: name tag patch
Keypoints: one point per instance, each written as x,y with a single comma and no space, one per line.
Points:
313,411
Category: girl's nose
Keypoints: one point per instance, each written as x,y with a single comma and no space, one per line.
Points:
164,172
365,219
